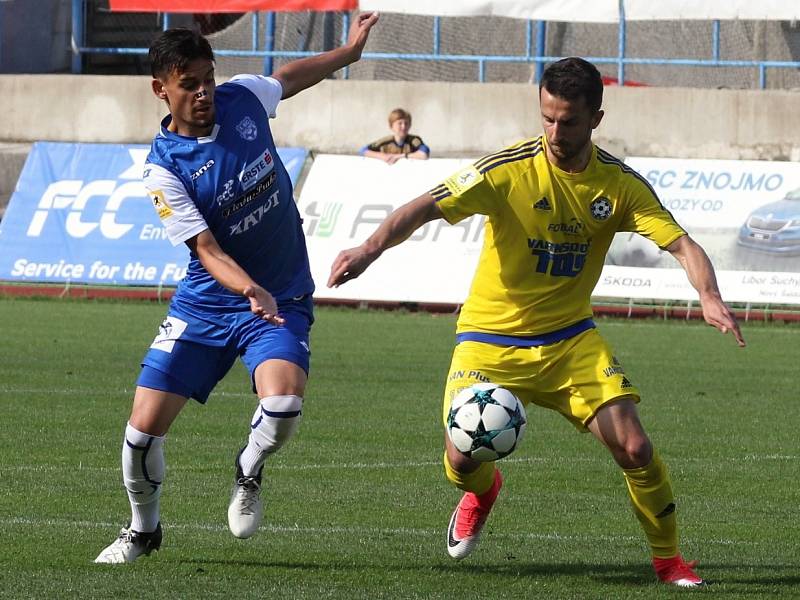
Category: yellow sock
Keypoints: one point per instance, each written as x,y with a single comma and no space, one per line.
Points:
651,495
477,482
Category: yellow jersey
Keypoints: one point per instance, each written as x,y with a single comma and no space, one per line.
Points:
546,235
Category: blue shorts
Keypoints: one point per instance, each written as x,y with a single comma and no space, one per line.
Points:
191,354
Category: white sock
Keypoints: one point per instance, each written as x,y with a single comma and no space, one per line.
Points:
142,473
274,423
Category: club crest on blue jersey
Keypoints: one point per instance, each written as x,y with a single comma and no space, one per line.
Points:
247,129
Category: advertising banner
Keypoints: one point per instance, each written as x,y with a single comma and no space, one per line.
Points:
345,198
222,6
761,287
728,206
80,214
745,214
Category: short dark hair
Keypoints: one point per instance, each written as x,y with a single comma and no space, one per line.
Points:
175,49
573,78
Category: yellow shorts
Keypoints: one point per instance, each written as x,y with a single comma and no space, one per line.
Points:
575,376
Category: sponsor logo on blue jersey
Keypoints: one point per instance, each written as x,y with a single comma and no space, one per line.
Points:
199,171
254,218
256,170
227,193
240,203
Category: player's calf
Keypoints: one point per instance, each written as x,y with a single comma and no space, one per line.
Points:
142,472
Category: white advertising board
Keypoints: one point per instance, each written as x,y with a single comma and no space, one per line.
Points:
345,198
745,214
716,194
757,287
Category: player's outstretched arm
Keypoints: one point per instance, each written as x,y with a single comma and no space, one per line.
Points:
305,72
701,275
397,228
230,275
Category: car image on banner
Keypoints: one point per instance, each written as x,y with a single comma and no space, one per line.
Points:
774,227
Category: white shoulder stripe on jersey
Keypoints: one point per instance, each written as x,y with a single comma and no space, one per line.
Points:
178,213
267,89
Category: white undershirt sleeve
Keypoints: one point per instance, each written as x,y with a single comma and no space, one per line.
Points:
178,213
267,89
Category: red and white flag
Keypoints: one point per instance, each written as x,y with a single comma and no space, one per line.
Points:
222,6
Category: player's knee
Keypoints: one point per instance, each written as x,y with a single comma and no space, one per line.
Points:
275,421
634,452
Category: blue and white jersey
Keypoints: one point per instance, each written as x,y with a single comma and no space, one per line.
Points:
233,184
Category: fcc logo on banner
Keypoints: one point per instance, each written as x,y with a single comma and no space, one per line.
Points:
80,213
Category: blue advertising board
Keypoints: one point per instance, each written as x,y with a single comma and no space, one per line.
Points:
80,214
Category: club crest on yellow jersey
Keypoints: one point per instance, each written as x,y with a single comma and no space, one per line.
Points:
601,208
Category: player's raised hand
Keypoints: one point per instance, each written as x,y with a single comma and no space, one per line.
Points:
717,314
348,265
263,304
359,31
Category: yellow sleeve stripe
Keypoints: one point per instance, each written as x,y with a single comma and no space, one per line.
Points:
534,144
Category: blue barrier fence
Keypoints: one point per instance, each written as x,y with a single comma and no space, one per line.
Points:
536,31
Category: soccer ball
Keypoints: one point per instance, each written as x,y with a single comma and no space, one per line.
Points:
486,422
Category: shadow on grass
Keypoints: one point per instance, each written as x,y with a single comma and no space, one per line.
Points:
771,576
632,574
774,576
609,573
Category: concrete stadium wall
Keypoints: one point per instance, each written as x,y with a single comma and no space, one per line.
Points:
455,119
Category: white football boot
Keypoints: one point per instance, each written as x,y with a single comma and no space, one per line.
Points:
129,546
245,509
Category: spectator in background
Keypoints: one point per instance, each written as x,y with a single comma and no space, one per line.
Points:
401,144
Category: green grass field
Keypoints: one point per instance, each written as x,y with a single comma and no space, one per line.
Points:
357,504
